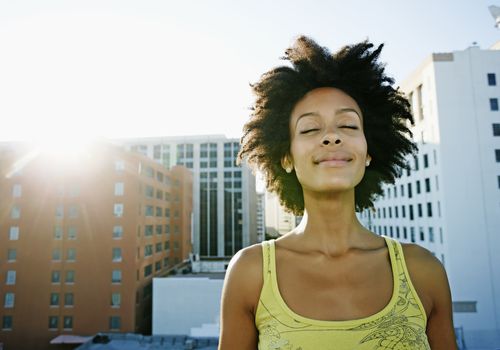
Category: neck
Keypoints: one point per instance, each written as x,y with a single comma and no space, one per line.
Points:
330,224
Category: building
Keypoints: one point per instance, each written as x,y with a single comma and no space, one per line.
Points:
224,195
261,216
187,304
278,220
81,239
449,202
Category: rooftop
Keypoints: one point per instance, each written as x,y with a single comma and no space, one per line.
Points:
130,341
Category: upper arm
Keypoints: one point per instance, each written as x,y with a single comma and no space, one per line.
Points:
429,278
240,295
440,330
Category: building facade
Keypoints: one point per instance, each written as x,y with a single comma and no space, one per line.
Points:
449,202
81,239
224,194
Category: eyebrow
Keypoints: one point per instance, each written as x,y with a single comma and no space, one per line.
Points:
337,112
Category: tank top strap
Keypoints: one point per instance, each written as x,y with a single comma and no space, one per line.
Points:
267,259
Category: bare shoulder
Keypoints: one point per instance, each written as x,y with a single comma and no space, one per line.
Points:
244,274
427,274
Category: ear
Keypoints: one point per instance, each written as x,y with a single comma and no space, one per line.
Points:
286,163
368,159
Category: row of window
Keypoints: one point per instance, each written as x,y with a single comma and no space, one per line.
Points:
383,213
419,187
159,247
410,233
159,229
67,322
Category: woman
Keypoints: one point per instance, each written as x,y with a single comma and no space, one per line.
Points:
327,132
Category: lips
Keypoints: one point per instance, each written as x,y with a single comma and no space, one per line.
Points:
333,158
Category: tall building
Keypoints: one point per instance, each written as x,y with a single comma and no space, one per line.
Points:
224,194
81,239
449,202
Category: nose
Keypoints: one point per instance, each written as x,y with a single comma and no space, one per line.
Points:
330,138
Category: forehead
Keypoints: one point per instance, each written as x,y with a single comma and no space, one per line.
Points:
324,100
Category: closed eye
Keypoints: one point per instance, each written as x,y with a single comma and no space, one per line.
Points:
350,127
308,131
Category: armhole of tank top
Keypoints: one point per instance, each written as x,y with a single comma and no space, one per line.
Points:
410,283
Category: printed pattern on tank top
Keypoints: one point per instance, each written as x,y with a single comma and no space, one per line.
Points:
401,328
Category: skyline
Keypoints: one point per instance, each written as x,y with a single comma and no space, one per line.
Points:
119,69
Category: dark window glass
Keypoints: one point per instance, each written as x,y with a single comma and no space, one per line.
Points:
497,155
496,129
427,185
7,322
429,209
494,104
426,161
492,79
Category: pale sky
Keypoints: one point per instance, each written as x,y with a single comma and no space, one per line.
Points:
154,68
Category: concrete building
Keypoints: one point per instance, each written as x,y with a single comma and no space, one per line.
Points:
224,195
261,216
81,239
187,304
450,200
278,220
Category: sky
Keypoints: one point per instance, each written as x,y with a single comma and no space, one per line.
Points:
115,69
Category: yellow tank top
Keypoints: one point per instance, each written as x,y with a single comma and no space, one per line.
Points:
400,325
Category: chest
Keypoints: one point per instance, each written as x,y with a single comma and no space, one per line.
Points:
346,288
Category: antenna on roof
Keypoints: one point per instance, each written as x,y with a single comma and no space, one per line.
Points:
495,12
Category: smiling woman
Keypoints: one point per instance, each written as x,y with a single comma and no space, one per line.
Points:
327,133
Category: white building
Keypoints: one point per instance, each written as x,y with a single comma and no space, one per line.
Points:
188,305
224,195
261,216
450,201
278,220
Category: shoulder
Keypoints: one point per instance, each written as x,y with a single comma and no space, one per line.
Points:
427,273
244,275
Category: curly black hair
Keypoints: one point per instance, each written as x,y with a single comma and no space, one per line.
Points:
354,69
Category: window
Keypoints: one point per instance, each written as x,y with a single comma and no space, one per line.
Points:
148,230
68,322
409,190
403,211
7,322
70,276
148,250
496,129
497,155
73,211
421,230
119,188
14,233
411,211
17,191
418,186
405,233
159,229
68,299
148,210
148,270
412,234
114,323
116,276
55,277
119,165
492,79
419,208
117,232
71,254
149,191
427,185
426,161
72,233
59,211
11,255
158,265
402,188
396,214
54,299
9,300
118,210
15,212
429,209
58,232
498,180
158,247
415,158
116,300
431,234
390,212
493,104
176,245
11,277
53,322
117,254
159,211
56,254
